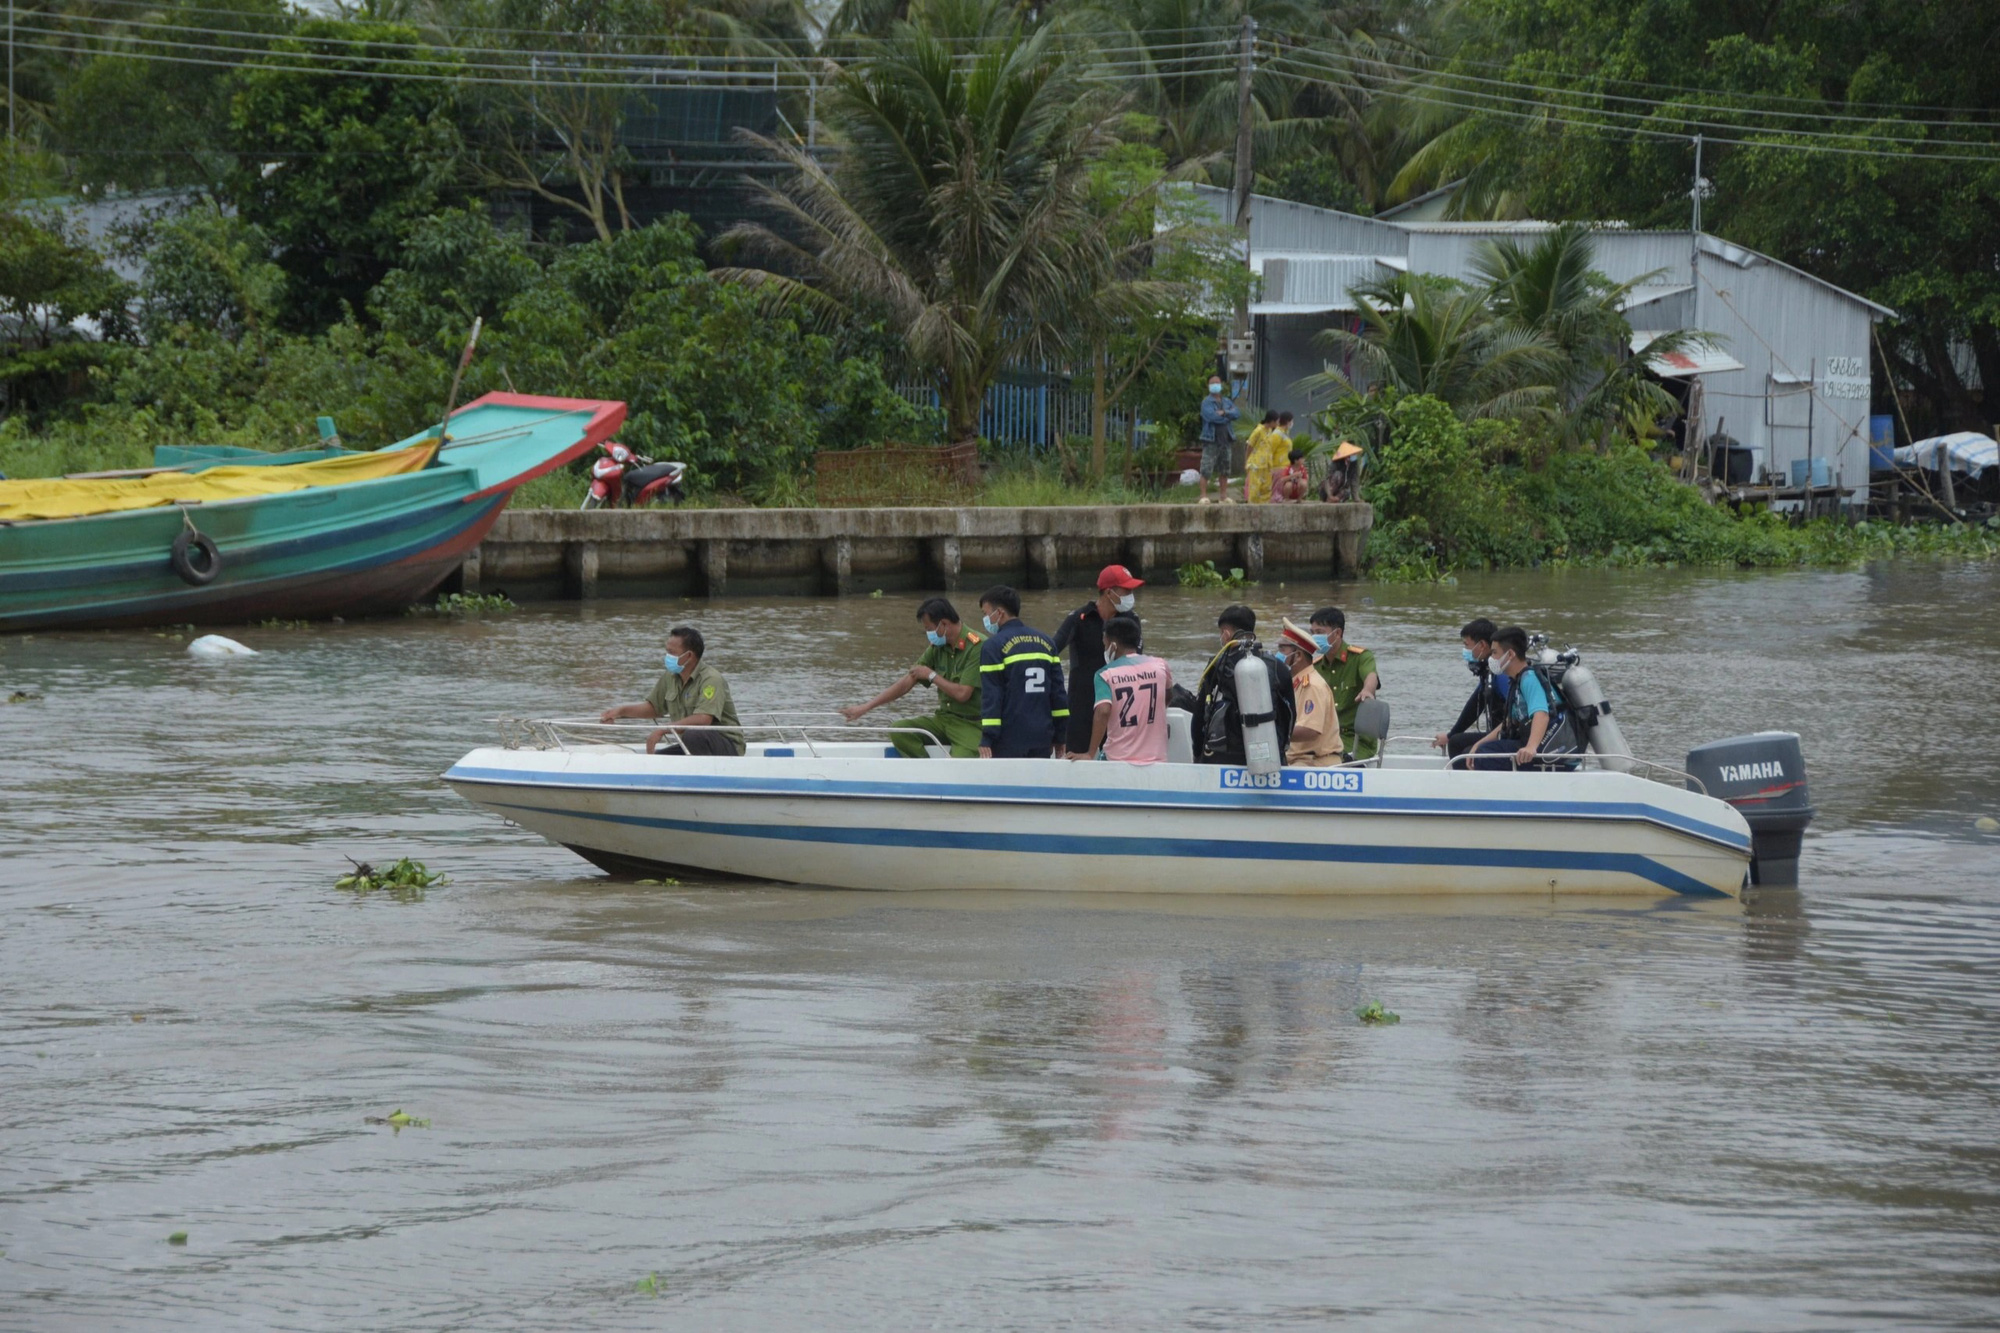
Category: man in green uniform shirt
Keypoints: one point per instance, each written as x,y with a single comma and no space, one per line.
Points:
1350,670
691,694
950,664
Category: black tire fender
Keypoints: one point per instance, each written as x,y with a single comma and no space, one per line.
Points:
195,557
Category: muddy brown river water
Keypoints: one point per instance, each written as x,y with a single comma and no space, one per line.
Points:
752,1107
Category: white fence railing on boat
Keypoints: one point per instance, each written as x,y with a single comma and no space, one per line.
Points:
1588,761
809,730
798,729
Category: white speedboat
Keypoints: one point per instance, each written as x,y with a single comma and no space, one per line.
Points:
806,807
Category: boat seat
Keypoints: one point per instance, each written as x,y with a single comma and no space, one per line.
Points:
1371,722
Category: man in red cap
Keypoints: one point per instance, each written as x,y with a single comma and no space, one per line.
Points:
1082,632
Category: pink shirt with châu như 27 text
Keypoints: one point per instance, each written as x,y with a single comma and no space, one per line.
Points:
1135,690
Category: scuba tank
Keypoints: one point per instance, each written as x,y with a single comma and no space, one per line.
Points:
1586,711
1592,712
1255,708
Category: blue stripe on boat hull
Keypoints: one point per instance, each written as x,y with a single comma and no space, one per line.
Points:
1224,799
1057,844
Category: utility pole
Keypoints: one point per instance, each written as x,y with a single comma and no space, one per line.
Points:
1245,176
10,73
1695,426
1697,183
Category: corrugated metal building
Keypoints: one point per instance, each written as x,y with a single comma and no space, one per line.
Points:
1789,379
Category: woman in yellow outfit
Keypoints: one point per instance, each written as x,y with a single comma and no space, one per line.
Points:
1270,445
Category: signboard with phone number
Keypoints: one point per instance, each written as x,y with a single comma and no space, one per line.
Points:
1294,779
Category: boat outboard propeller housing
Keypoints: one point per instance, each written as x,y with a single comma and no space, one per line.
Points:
1764,777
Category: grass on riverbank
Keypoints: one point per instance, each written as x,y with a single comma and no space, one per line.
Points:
1584,511
1008,483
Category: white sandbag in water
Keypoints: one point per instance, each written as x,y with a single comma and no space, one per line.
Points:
215,648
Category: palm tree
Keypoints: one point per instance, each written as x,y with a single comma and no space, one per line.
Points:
1550,287
1424,335
957,209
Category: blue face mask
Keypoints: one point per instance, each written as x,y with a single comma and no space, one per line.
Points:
987,621
1322,641
672,664
1215,388
1468,655
936,639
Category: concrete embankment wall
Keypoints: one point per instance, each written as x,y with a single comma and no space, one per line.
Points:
716,552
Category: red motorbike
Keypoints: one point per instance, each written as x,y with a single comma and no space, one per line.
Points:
633,480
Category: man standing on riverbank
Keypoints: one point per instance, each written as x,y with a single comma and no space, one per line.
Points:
1082,632
1024,710
691,693
950,664
1218,439
1350,670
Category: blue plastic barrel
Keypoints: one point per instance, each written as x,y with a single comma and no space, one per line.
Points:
1821,470
1882,443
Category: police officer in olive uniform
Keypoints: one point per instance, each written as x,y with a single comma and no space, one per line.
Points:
950,665
690,693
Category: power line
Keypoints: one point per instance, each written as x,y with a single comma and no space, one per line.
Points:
1710,92
1545,114
1668,106
1224,33
530,75
129,30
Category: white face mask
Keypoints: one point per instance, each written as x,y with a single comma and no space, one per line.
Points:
1125,601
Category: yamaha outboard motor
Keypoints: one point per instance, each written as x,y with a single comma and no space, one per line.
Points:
1764,777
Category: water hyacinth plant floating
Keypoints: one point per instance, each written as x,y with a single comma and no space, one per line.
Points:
398,1120
1373,1014
178,1238
648,1285
466,604
1204,574
406,880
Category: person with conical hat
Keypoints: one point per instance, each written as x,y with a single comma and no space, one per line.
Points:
1316,730
1343,474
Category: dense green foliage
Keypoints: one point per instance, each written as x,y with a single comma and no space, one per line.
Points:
996,196
336,169
1816,117
742,395
1452,495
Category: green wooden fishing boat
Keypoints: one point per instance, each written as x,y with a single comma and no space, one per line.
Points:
333,547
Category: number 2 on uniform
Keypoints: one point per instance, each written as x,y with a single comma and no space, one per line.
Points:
1033,680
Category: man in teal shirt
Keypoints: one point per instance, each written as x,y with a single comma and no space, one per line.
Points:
950,665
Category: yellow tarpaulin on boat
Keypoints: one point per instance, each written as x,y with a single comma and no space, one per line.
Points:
59,497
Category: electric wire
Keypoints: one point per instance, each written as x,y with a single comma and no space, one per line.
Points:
1668,107
1545,115
1687,88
